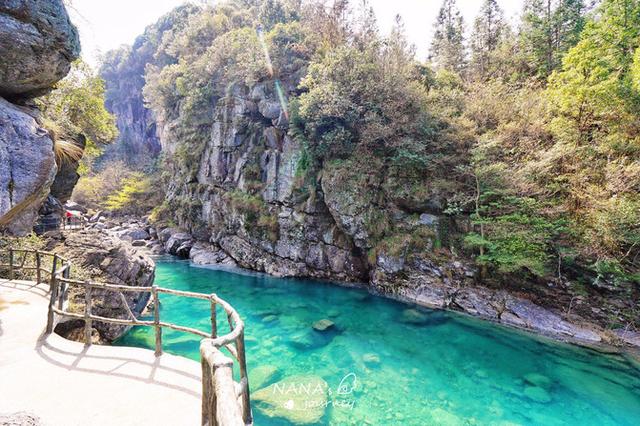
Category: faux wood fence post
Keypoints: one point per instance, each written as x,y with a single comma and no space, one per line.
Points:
38,265
64,287
219,399
87,313
208,394
11,265
52,302
53,271
214,320
156,319
246,397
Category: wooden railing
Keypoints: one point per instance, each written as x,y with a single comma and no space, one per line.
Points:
45,224
224,402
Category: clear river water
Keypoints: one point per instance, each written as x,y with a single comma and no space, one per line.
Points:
402,365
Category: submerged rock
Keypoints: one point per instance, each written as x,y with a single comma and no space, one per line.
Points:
301,400
537,379
371,359
414,317
262,376
537,394
270,318
323,325
442,417
310,339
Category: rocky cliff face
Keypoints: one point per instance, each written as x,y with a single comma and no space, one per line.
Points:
123,71
28,167
241,195
37,45
138,141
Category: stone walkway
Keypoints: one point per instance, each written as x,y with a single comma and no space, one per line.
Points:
65,383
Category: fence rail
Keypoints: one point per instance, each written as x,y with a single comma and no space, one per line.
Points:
224,402
72,223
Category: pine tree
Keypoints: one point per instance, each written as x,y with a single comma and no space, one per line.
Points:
366,25
549,29
489,30
447,47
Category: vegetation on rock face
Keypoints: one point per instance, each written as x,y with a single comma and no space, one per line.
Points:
525,146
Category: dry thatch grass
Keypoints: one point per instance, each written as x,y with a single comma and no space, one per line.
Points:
66,151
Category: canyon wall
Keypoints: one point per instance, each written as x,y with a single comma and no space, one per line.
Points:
123,71
250,178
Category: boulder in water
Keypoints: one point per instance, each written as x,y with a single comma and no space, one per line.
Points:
301,400
371,359
323,325
537,379
310,339
414,317
262,376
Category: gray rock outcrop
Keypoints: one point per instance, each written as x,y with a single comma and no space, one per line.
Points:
106,259
37,45
28,168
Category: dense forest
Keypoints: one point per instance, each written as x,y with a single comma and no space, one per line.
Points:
518,143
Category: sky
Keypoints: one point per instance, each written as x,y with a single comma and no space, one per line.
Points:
105,25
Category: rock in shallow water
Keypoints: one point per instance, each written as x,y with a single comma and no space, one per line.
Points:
262,376
310,339
371,359
537,394
323,325
537,379
414,317
301,400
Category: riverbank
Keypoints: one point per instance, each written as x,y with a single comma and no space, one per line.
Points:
517,309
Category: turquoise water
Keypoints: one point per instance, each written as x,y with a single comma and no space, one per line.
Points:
432,367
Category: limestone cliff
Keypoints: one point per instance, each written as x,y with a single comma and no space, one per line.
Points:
37,45
242,184
123,71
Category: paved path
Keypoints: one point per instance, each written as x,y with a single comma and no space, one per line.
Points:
65,383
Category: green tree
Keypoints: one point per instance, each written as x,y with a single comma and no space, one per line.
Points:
595,127
635,71
549,29
447,48
489,31
75,115
77,106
